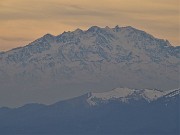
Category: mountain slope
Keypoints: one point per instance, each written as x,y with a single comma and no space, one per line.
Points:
77,116
98,58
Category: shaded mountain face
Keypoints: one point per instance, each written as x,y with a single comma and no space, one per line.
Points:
63,66
120,111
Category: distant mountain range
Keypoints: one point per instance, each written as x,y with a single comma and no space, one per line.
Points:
119,111
77,62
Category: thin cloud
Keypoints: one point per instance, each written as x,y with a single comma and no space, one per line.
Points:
53,12
15,39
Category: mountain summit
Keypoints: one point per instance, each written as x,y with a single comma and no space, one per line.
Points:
64,66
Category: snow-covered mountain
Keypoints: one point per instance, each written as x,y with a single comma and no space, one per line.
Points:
64,66
127,95
119,111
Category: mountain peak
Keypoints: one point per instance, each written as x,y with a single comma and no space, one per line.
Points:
94,29
48,35
107,28
78,31
116,28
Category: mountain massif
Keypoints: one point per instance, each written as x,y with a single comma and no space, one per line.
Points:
74,63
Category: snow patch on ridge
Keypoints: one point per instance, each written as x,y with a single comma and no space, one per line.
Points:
126,94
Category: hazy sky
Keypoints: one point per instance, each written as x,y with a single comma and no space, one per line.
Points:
22,21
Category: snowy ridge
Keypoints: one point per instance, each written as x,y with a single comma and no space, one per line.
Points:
172,93
126,94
